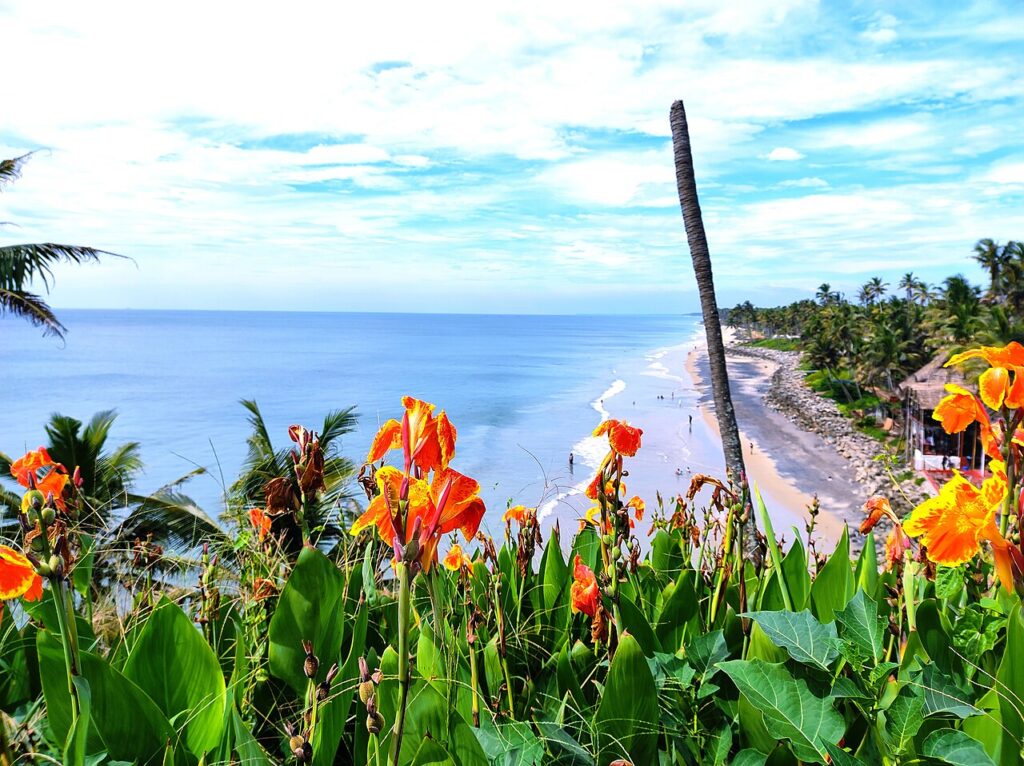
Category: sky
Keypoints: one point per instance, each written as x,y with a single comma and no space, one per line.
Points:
507,157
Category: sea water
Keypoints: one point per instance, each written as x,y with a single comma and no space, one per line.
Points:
523,391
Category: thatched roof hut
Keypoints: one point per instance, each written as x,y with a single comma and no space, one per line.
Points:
927,386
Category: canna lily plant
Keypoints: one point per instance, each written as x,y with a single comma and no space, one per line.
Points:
413,508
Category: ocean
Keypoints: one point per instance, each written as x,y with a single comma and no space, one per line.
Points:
523,391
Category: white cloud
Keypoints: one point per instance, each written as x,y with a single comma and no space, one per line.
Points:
784,154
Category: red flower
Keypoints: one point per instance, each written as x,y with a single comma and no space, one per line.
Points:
260,522
584,593
623,438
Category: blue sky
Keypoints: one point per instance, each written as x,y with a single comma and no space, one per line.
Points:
508,157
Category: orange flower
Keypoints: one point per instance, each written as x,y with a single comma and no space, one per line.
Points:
518,513
25,468
623,438
952,524
427,440
455,559
958,409
447,503
877,507
996,385
638,507
18,578
260,522
584,593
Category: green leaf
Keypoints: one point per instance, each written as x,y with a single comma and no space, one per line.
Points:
773,547
130,725
636,624
797,576
833,587
310,609
862,625
949,581
936,639
175,666
866,572
76,749
806,639
666,557
791,711
248,749
511,744
627,720
1010,688
81,577
942,695
903,719
955,748
705,651
842,758
681,606
749,757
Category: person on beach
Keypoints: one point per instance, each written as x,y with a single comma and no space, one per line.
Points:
691,423
570,462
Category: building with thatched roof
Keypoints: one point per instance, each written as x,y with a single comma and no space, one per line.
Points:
929,447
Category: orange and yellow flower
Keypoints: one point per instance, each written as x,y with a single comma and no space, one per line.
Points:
456,559
26,468
953,524
260,522
425,439
1003,382
18,578
623,438
584,593
449,502
518,513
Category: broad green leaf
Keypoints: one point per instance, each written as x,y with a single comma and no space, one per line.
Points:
511,744
175,666
130,725
636,624
432,754
862,625
866,572
681,606
666,557
833,587
248,749
949,581
797,576
791,711
773,547
309,609
942,695
627,719
705,651
1010,688
903,719
842,758
955,748
806,639
749,757
936,639
76,748
81,577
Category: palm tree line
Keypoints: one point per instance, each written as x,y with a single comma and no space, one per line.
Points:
889,332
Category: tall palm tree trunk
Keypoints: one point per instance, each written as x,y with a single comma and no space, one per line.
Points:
686,184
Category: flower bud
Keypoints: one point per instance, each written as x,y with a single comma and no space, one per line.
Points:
56,563
310,666
47,516
43,569
303,753
323,691
38,544
375,723
366,691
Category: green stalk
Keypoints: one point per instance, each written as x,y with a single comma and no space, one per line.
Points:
721,571
1011,479
404,603
474,681
500,615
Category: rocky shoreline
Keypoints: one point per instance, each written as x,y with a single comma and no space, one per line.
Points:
789,395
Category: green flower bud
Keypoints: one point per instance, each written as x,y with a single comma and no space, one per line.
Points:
48,516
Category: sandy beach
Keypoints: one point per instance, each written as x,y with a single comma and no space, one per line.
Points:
668,398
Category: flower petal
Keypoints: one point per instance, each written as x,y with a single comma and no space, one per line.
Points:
17,576
389,437
992,385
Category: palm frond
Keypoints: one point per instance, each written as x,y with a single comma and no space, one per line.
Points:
336,424
33,308
172,518
10,170
20,264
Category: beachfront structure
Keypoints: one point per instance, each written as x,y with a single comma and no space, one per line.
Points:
928,447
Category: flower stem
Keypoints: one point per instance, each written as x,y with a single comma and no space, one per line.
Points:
404,602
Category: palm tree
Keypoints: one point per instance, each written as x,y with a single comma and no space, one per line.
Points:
825,294
872,290
112,511
264,463
992,258
908,282
21,264
686,185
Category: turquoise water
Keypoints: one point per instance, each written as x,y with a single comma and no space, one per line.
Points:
523,391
